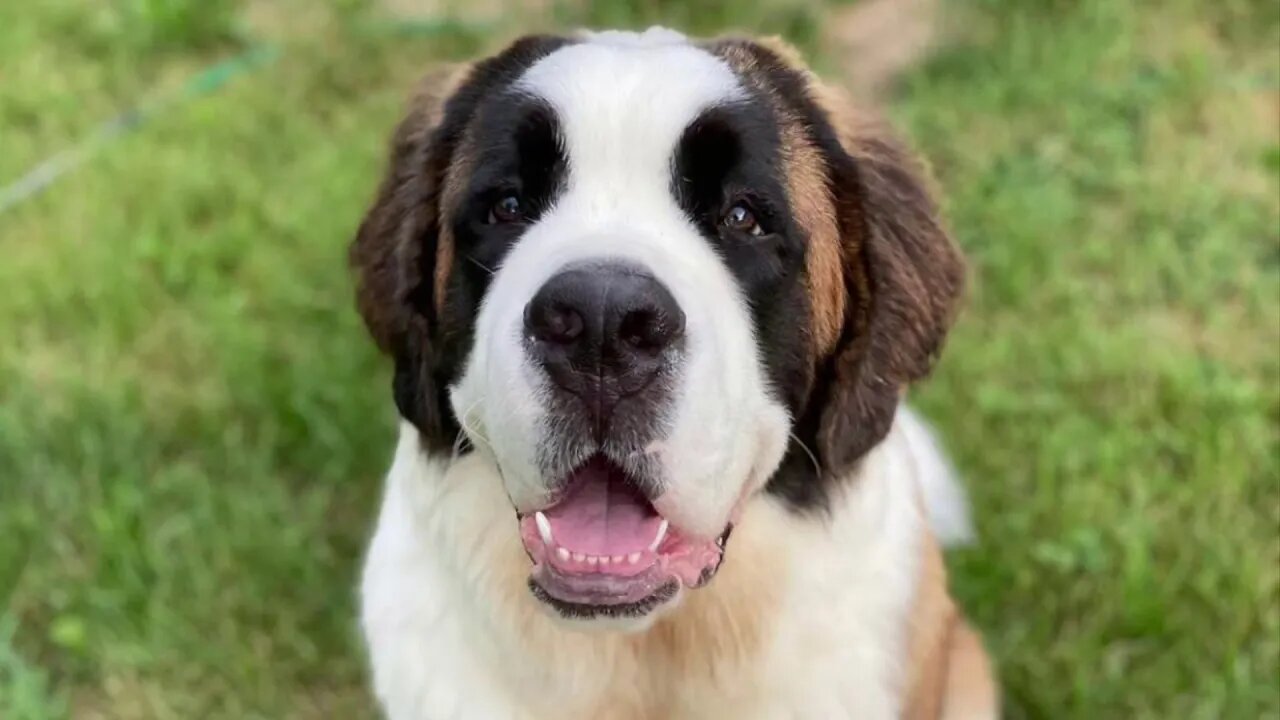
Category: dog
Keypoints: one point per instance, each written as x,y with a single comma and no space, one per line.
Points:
653,304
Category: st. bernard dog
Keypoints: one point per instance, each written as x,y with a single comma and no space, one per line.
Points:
653,304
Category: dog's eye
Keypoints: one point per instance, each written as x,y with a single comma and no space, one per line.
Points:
506,210
741,219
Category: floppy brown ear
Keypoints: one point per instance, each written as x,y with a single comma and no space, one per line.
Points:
404,209
904,276
395,251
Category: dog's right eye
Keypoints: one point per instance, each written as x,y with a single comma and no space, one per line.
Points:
506,210
740,218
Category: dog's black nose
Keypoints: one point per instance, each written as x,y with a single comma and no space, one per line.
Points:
601,330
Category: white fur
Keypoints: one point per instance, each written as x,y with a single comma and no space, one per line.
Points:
940,488
623,101
454,633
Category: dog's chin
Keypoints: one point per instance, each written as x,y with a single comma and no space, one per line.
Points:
603,555
606,614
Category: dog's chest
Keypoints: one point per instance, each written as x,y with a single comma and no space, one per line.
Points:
798,624
458,668
469,641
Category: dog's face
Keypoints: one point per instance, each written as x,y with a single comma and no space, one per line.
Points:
649,278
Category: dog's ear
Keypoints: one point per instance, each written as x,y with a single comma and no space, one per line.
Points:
903,275
395,251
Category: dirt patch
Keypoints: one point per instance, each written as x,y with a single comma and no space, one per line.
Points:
875,41
514,11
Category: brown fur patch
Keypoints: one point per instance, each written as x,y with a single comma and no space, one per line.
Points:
884,277
455,182
458,169
815,211
384,246
949,676
808,190
389,249
913,275
933,620
971,685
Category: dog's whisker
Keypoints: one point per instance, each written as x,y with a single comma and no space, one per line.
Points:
474,433
817,467
481,265
469,430
457,445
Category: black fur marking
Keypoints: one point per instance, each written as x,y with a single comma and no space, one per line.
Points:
733,150
518,152
802,485
731,155
529,152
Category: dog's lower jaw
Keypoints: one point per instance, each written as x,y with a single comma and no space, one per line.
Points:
800,618
631,618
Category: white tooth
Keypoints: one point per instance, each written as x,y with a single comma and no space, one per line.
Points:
544,527
562,554
604,559
579,557
633,558
662,533
619,558
593,559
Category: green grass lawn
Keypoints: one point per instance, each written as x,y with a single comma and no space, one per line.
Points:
193,426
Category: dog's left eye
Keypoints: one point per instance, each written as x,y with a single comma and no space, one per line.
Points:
741,219
506,210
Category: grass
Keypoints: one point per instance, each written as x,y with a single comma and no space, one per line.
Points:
193,428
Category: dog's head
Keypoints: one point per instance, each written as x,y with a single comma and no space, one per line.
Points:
649,277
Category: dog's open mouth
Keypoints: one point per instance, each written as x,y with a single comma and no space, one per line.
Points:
603,549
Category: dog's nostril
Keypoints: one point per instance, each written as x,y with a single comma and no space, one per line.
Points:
553,322
636,327
650,328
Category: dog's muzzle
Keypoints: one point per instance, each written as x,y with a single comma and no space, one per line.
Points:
609,337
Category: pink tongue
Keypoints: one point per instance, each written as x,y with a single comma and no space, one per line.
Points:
603,514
